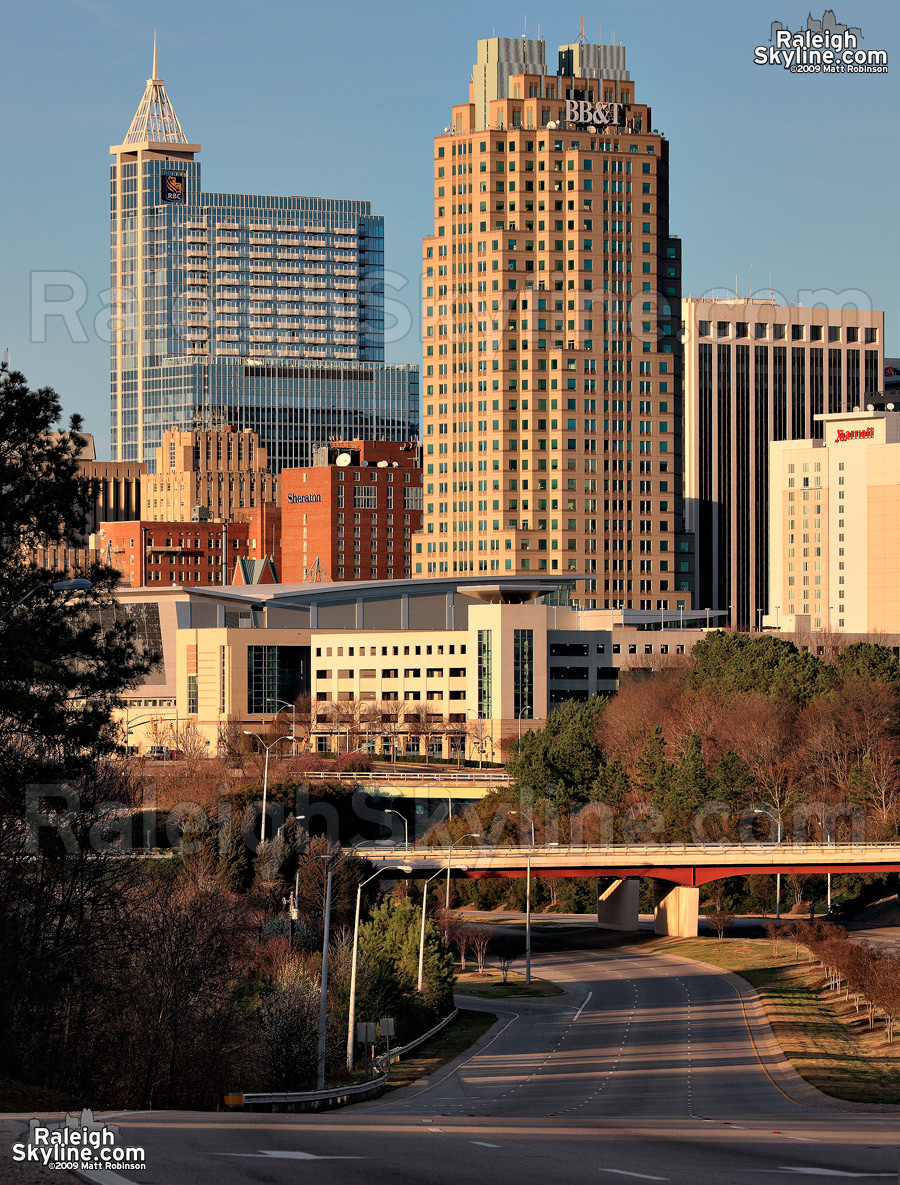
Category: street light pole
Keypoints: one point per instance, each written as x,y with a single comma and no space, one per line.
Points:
527,900
762,811
248,733
402,818
323,987
471,835
352,1013
76,584
323,990
828,840
293,707
422,930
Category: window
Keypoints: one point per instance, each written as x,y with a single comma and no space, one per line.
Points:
485,674
523,674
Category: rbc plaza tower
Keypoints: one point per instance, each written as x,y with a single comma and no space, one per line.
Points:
265,313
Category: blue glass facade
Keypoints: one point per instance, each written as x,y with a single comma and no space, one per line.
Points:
262,312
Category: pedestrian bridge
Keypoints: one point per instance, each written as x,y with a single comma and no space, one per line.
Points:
678,870
425,786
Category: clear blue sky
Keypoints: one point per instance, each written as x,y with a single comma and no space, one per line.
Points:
796,175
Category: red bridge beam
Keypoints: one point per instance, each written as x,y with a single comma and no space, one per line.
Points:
691,877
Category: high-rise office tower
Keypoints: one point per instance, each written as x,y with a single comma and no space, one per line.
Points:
757,372
264,313
552,361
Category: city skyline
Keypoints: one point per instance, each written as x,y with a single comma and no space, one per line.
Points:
750,183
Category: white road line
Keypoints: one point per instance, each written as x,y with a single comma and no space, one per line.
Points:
280,1156
102,1176
482,1144
640,1176
809,1172
582,1008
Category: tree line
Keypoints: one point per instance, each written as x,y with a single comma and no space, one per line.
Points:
869,974
139,983
752,722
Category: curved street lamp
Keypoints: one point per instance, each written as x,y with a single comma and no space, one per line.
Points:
759,810
471,835
76,584
352,1011
422,930
403,820
247,733
530,820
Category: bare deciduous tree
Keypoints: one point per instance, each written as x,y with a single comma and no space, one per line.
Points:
481,944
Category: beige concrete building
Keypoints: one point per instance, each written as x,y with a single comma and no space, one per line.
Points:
757,371
207,473
448,667
551,377
835,527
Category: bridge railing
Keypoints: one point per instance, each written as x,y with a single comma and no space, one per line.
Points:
499,776
480,856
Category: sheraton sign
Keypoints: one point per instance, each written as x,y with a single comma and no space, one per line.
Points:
854,434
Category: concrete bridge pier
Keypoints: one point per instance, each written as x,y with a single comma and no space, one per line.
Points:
676,909
617,903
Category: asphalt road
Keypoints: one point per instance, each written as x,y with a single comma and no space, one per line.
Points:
648,1069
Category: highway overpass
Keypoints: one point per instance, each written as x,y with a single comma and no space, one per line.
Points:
678,870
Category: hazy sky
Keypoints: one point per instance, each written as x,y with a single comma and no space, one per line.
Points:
794,175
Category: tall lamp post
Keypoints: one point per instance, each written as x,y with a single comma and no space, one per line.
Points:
248,733
528,819
402,819
522,710
76,584
762,811
352,1014
828,839
323,991
293,707
422,930
471,835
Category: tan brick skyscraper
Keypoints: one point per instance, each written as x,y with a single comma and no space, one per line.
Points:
551,387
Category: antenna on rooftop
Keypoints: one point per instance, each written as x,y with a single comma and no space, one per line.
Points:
581,37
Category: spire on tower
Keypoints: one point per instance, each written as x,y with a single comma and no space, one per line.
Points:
155,118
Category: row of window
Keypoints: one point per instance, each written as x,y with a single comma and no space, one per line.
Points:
397,650
762,331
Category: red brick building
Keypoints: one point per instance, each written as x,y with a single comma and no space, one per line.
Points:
191,553
352,513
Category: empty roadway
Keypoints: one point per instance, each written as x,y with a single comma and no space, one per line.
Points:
648,1068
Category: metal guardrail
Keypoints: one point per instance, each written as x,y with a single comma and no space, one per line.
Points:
310,1100
307,1100
402,1050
